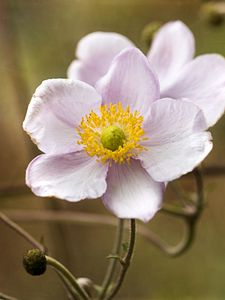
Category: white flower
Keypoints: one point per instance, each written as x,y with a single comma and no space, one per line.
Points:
118,141
200,80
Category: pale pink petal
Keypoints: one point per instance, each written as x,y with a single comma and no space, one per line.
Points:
95,52
202,81
172,47
170,120
131,192
176,141
73,176
168,161
56,110
131,81
79,70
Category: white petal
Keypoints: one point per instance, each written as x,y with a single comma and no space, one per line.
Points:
95,52
202,81
131,192
172,47
170,120
56,110
173,159
73,176
131,81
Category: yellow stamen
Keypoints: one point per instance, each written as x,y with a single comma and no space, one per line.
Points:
113,135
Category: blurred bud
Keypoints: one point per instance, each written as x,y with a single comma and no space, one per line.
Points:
149,31
213,13
86,284
34,262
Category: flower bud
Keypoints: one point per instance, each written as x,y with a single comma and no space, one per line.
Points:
34,262
86,284
213,13
149,31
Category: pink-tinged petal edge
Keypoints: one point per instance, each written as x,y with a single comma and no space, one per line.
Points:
94,54
176,141
173,46
55,111
170,120
73,176
78,70
202,81
132,193
171,160
131,81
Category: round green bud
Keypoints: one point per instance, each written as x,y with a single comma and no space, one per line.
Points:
149,31
112,137
34,262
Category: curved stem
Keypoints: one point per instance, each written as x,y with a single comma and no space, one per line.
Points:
190,219
22,232
178,211
6,297
68,287
87,218
191,214
126,260
170,250
113,261
200,190
69,277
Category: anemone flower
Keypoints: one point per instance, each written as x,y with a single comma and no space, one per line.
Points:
200,80
118,141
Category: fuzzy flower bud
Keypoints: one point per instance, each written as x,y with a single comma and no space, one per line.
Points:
86,284
34,262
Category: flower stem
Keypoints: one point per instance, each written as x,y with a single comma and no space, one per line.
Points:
21,232
178,211
126,260
190,218
113,261
6,297
76,290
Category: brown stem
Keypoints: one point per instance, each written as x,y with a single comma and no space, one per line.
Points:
21,232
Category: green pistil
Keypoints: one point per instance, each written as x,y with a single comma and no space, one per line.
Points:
112,137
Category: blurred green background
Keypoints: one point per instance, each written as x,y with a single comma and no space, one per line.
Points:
37,41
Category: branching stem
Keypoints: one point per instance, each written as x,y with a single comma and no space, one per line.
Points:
76,291
126,261
113,261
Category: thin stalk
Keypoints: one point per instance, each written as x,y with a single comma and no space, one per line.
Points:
184,212
90,218
67,286
113,261
126,261
69,277
200,190
192,219
21,232
6,297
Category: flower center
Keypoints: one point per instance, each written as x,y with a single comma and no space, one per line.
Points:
112,137
115,134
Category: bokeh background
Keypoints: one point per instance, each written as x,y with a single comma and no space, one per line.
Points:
37,41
